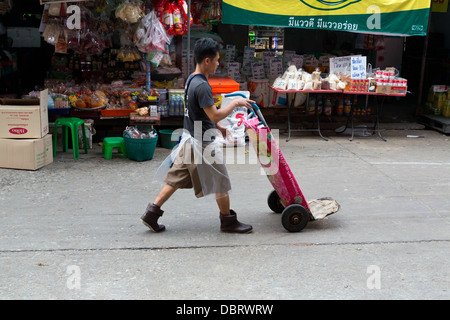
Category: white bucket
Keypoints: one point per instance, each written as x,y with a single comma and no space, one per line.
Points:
243,86
259,91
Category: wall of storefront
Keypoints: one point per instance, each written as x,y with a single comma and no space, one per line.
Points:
405,54
440,25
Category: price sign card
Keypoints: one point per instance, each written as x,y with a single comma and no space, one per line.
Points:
249,57
276,67
358,68
258,71
233,71
230,53
297,60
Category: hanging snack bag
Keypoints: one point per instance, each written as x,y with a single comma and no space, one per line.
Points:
57,9
159,9
167,16
197,10
130,12
184,12
177,20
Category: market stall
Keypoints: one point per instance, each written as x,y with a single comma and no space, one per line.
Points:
312,74
119,58
114,63
347,76
139,52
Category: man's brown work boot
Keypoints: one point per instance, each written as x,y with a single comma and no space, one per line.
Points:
151,216
230,224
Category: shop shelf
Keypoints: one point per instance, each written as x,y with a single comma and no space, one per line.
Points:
116,112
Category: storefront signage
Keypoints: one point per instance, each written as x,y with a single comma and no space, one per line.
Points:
393,17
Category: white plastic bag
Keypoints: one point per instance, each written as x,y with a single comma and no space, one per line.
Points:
300,84
308,86
234,123
151,35
280,84
292,84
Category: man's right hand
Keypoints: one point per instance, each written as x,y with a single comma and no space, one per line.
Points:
242,102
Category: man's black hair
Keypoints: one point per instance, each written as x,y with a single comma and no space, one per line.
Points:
205,48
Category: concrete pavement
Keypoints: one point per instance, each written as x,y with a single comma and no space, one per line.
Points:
71,230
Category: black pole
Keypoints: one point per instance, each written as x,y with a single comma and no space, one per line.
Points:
424,62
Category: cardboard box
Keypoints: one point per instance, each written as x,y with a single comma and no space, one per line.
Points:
391,89
24,118
28,154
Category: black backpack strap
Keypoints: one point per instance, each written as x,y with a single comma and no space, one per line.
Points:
188,83
186,88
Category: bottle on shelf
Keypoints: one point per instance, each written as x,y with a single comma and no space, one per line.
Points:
340,107
361,111
177,105
319,105
164,109
327,109
347,106
171,106
334,102
181,105
312,107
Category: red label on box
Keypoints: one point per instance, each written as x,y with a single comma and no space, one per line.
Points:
398,88
18,130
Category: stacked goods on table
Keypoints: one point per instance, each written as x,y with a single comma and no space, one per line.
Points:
389,82
119,98
381,81
298,79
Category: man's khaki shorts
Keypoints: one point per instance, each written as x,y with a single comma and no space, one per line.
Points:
184,174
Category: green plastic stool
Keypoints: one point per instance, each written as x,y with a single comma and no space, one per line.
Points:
73,124
113,142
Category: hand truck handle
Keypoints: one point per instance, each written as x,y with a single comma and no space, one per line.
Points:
254,106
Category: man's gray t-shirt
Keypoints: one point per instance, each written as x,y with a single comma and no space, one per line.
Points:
198,95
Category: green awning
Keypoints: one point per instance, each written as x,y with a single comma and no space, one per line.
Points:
391,17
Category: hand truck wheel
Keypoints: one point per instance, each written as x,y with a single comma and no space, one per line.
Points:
273,200
295,218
